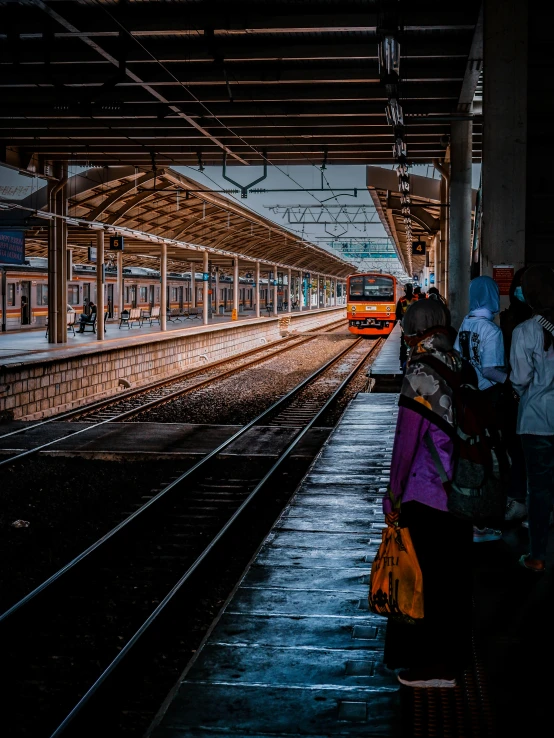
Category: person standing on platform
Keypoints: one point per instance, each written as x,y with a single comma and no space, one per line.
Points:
435,651
480,342
517,312
532,376
417,292
401,306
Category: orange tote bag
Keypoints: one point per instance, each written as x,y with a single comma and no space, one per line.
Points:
396,584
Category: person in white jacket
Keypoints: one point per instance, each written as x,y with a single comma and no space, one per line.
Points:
532,377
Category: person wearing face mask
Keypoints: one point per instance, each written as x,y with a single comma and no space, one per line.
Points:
480,342
517,312
532,376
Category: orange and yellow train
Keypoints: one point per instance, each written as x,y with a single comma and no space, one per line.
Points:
371,303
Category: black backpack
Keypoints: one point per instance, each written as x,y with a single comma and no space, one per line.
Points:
476,491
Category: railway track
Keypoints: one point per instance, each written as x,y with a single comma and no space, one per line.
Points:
74,645
129,404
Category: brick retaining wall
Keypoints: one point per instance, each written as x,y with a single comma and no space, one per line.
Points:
38,389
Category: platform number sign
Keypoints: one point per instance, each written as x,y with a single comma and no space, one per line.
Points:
418,248
116,243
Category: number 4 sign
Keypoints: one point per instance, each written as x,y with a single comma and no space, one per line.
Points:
418,248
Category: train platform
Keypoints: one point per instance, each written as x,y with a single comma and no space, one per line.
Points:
386,370
296,652
33,343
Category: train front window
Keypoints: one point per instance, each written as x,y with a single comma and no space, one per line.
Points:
372,288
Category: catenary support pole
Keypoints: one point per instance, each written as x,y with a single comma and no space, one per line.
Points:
459,250
100,285
163,292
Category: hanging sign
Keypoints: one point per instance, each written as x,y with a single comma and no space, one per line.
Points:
12,247
116,243
432,278
503,275
418,248
205,276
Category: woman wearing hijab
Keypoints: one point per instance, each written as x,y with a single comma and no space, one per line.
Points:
532,377
480,342
435,651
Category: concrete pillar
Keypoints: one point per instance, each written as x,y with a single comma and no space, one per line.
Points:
100,308
459,251
275,291
192,284
257,289
236,288
120,284
163,295
505,47
216,293
289,289
205,286
57,259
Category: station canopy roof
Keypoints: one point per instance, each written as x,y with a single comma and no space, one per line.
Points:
296,81
155,206
425,211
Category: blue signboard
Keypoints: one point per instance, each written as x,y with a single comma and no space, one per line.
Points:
205,276
12,247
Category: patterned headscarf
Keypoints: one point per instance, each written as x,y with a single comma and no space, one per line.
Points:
432,362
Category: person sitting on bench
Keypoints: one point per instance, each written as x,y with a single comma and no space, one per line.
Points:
83,318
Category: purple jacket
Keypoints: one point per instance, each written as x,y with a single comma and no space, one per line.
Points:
413,473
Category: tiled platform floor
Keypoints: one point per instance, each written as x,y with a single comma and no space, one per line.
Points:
296,651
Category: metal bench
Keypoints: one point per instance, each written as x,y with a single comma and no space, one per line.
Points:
192,313
92,323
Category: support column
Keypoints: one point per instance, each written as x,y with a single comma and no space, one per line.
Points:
57,260
163,295
289,289
235,314
275,291
192,284
216,290
257,289
459,251
205,285
505,138
443,167
120,284
100,285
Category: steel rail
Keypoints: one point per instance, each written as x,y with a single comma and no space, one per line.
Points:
110,534
106,402
215,540
149,405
